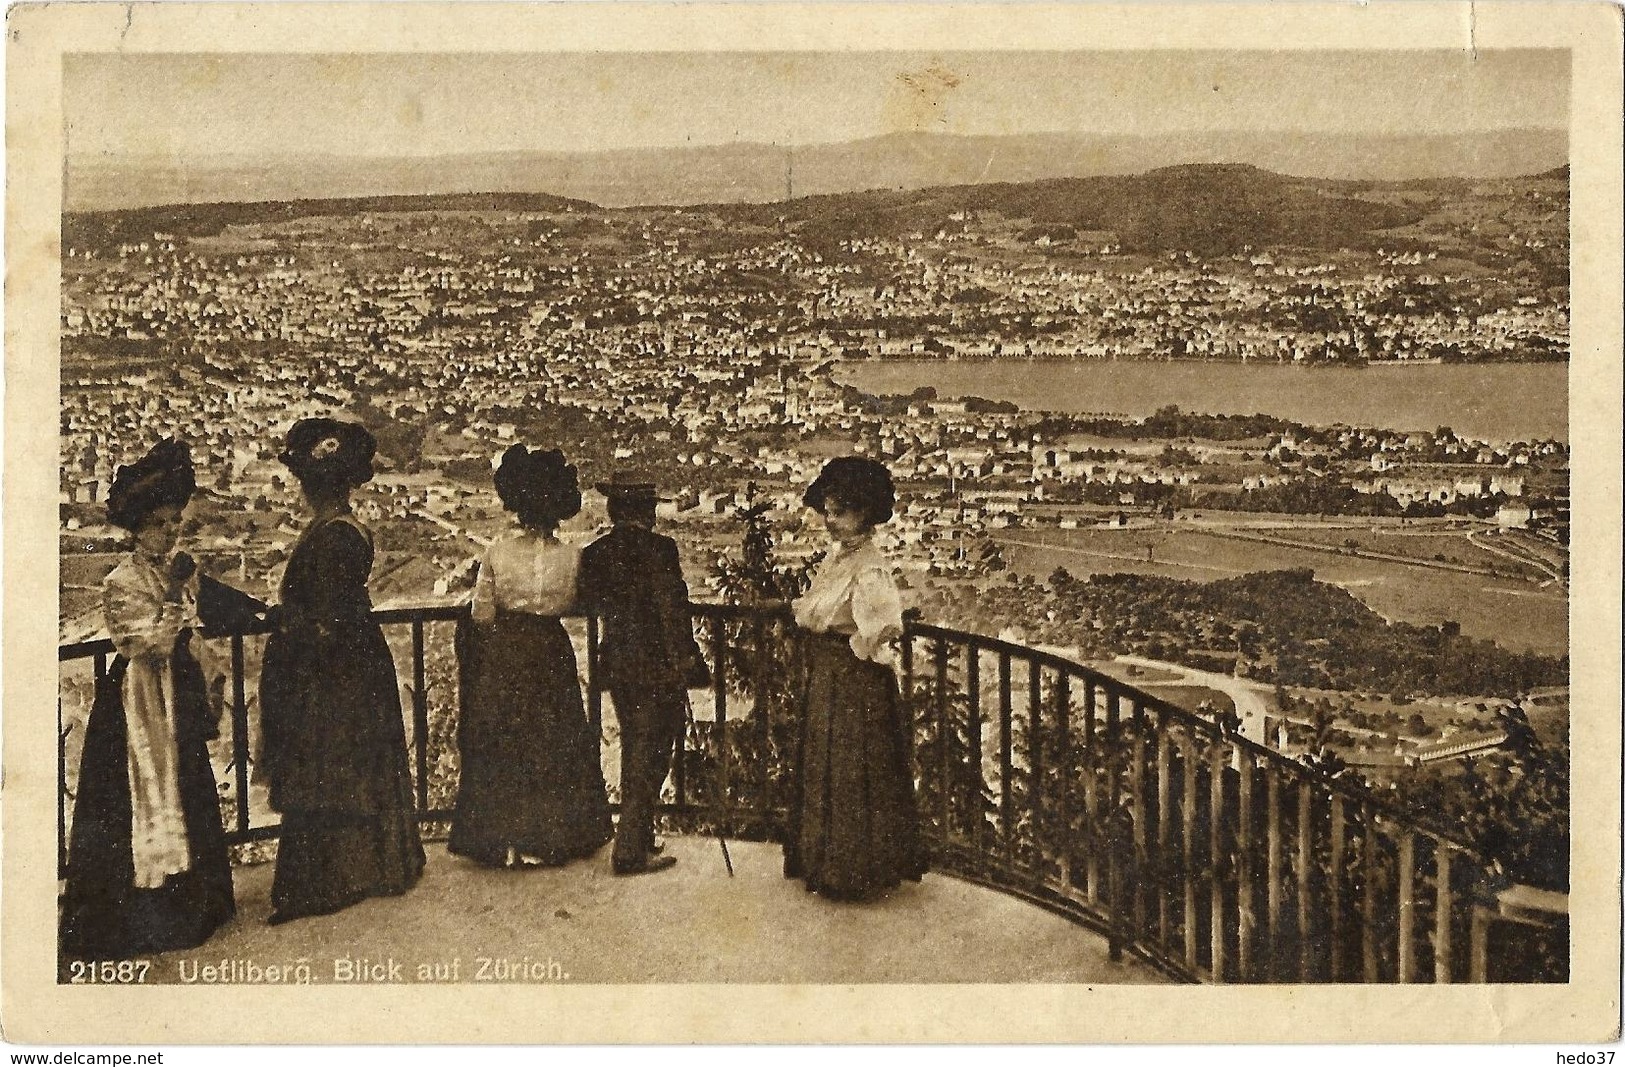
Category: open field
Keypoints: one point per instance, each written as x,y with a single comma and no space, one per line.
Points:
1515,614
1424,545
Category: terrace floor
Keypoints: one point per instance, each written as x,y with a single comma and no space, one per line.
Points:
691,924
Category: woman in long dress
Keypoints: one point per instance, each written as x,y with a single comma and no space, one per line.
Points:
147,864
532,788
334,739
854,831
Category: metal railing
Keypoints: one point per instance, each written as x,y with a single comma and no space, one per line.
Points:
1211,857
724,625
1214,857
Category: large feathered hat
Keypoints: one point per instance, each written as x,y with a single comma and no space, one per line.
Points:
329,450
538,485
164,476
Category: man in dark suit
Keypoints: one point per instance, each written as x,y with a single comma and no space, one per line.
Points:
631,578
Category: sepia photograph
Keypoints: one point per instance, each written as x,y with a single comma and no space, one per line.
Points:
814,511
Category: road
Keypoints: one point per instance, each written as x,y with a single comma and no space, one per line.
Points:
1482,540
1253,701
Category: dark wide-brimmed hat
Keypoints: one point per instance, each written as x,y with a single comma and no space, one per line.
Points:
624,485
538,485
857,482
162,477
330,450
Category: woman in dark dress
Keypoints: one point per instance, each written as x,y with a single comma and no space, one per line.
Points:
532,788
334,740
147,864
854,831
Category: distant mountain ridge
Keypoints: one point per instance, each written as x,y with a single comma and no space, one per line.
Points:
763,173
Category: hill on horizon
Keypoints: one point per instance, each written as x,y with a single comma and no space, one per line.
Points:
90,229
763,173
1203,208
1207,209
1218,208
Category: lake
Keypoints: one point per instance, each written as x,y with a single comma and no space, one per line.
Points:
1487,401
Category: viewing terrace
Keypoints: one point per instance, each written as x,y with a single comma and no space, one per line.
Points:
1083,831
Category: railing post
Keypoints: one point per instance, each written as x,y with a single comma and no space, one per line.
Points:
1114,816
1063,726
973,736
1444,906
420,715
1090,693
1035,768
1478,947
1368,899
944,733
1187,844
239,732
1091,793
759,631
1142,869
1165,843
722,787
1407,906
1272,872
1245,923
1006,772
1335,903
1218,762
1306,857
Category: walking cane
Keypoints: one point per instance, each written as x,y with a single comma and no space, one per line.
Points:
722,836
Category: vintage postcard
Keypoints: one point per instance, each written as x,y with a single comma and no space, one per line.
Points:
804,523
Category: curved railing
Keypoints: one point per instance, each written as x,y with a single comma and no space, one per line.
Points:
1214,857
1211,857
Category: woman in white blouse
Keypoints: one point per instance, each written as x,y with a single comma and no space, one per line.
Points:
147,864
854,831
532,789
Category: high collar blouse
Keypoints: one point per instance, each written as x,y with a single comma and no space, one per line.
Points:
853,592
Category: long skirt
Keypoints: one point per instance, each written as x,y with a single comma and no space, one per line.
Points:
330,859
854,830
104,914
531,777
336,751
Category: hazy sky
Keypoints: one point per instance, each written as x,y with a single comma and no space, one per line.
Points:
192,105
